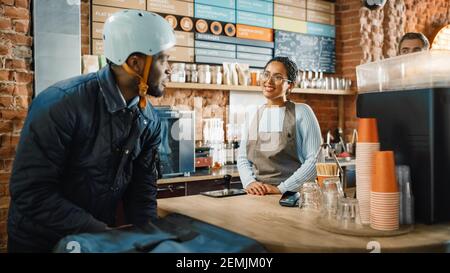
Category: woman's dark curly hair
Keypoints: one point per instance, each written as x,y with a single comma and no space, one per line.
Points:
289,64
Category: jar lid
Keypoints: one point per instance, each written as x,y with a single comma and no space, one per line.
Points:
216,28
172,21
191,66
230,30
203,66
201,26
186,24
178,65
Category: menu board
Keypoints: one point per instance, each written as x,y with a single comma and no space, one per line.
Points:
309,52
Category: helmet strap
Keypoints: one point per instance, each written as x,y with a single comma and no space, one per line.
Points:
143,86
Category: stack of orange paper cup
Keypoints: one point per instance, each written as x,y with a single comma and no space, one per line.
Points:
366,147
384,197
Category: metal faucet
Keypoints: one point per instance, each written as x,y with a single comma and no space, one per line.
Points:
341,171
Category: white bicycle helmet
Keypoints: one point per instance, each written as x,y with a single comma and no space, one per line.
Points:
134,31
129,31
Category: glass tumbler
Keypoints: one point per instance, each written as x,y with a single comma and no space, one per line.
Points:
347,215
310,196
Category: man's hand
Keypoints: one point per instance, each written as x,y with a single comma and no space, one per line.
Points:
256,188
270,189
119,227
124,226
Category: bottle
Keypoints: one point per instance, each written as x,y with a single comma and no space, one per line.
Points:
178,72
216,75
229,154
314,80
191,73
204,74
299,79
235,145
321,81
188,74
194,74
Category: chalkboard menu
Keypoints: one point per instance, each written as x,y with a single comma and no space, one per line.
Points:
310,52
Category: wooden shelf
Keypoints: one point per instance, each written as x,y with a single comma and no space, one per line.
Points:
323,92
201,86
176,85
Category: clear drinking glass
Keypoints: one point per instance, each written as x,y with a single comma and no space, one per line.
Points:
331,192
310,196
347,215
406,198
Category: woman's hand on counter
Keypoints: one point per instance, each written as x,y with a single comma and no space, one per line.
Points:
270,189
259,188
256,188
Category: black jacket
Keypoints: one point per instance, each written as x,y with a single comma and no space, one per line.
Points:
81,151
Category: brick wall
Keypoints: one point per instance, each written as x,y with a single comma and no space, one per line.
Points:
324,106
16,80
348,54
426,16
85,28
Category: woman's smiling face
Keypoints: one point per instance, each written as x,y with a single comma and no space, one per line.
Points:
274,80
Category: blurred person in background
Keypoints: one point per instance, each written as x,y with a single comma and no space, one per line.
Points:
413,42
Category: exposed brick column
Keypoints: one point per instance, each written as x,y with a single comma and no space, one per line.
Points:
85,28
16,78
348,53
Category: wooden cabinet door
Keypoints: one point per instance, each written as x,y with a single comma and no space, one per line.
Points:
171,190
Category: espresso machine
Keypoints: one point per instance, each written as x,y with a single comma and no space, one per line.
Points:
413,119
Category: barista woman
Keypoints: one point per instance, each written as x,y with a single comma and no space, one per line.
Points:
281,138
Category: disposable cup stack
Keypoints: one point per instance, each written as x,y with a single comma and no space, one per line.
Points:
384,196
366,147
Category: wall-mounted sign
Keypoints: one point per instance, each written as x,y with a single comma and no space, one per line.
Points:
310,52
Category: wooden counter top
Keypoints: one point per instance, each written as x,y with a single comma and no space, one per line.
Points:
217,174
281,229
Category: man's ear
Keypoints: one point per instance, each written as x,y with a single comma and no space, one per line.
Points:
136,63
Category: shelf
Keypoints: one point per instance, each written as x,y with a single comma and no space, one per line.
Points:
176,85
201,86
323,92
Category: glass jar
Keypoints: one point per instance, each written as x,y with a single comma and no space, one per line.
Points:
188,74
194,76
331,192
204,74
216,74
178,72
191,73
